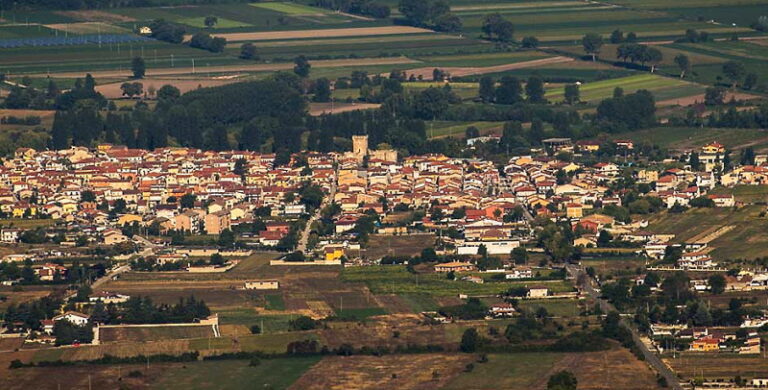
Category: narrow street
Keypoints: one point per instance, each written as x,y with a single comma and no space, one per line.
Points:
304,239
650,357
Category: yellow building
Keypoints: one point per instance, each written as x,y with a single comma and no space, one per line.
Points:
574,210
128,219
333,253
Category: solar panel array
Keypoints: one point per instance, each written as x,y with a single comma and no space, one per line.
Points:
74,40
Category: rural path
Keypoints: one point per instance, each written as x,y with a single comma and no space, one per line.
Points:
426,72
650,357
203,70
304,239
119,270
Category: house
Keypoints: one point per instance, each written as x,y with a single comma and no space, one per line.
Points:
73,317
455,266
502,310
705,344
217,222
695,260
473,279
333,252
10,235
538,292
723,200
108,297
49,272
262,285
501,247
751,345
112,237
519,273
585,242
47,326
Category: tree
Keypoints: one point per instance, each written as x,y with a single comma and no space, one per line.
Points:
572,93
562,380
132,89
496,27
187,201
714,96
470,341
226,238
654,56
750,81
534,89
487,89
530,42
210,21
592,44
138,67
683,63
322,90
509,91
617,36
734,71
520,255
717,284
469,133
248,52
301,66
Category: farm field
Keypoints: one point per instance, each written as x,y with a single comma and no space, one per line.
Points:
685,138
438,129
271,373
663,88
716,365
397,280
118,334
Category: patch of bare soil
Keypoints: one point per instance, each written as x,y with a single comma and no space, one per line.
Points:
427,371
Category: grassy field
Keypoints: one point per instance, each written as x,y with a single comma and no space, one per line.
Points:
154,333
663,88
439,129
745,193
397,280
559,307
271,373
26,223
509,371
686,138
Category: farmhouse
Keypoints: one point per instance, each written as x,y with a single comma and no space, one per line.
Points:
502,310
108,297
10,235
455,266
262,285
74,317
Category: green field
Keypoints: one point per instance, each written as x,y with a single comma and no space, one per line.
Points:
236,374
684,138
289,8
199,22
275,302
438,129
360,314
397,280
662,87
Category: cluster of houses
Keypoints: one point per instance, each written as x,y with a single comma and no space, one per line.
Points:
704,339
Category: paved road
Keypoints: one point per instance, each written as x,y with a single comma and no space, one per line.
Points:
650,357
304,239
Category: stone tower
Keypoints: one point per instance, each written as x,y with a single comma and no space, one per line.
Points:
360,146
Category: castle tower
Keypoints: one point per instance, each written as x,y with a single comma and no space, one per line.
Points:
360,146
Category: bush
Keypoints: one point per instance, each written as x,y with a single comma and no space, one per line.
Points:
135,374
254,362
255,329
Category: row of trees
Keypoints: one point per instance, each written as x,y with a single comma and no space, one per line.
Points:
433,14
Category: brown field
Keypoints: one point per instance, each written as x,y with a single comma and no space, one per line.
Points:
97,16
46,116
695,99
317,109
113,91
327,33
27,294
78,377
607,370
715,365
237,68
426,72
385,372
382,245
154,333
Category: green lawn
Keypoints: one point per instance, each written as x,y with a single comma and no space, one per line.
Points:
236,374
438,129
599,90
